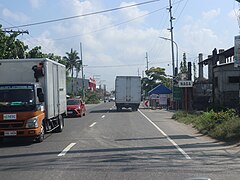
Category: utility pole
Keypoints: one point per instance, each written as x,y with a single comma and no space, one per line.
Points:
83,93
18,32
171,31
147,60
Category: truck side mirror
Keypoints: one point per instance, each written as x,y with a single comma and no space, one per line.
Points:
40,95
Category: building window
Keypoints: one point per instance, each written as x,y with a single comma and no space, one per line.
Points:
234,79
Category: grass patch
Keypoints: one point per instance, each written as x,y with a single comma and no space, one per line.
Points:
223,125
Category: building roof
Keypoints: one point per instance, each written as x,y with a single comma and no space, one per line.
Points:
227,53
160,89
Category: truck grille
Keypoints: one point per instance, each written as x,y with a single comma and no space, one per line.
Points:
11,124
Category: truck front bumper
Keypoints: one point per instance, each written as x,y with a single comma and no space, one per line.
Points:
20,132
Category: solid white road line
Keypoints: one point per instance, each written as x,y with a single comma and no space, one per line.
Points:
66,149
93,124
164,134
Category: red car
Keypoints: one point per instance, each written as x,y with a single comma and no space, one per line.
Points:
75,107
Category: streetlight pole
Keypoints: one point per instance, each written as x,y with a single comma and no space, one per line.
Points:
176,51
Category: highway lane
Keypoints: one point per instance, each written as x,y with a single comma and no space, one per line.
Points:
106,144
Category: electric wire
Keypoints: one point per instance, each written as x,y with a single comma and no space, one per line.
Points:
125,65
111,26
83,15
177,19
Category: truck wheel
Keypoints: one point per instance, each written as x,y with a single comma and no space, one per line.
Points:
134,108
40,138
119,108
60,124
1,140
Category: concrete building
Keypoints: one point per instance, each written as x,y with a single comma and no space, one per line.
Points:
221,89
76,85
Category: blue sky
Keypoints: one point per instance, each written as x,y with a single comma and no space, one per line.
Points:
115,43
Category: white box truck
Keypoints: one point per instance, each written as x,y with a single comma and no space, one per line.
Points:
127,92
32,98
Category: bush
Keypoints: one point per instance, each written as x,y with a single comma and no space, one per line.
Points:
182,116
92,98
223,125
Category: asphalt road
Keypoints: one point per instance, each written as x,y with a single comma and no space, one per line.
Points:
109,145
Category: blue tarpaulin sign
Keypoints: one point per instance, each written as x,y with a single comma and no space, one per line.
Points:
160,89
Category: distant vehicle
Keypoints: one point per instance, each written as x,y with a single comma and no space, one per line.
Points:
128,92
111,99
75,107
32,98
106,99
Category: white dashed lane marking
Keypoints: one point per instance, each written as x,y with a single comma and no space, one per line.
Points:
66,149
93,124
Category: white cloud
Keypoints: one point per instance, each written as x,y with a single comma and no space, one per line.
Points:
132,13
16,16
47,44
198,39
209,15
35,3
115,46
234,14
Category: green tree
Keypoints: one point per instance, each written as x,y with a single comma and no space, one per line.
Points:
183,64
10,47
35,53
155,76
72,62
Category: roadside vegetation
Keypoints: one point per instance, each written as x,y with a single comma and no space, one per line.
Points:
223,125
92,98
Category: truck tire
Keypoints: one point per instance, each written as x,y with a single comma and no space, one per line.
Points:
40,138
60,124
134,108
1,140
119,108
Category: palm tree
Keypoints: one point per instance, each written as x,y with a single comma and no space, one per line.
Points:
72,61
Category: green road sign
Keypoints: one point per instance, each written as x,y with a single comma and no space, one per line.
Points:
177,93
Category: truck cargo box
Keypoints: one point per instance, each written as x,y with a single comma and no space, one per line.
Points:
128,92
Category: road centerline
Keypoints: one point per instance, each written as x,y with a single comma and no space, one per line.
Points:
93,124
63,153
168,138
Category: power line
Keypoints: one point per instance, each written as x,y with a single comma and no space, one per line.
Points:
26,32
181,12
84,15
126,65
111,26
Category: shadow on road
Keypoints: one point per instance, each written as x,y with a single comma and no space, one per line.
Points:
152,138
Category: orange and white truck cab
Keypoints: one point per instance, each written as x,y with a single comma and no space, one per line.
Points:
32,99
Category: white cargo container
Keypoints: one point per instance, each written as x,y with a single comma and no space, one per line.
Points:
32,97
128,92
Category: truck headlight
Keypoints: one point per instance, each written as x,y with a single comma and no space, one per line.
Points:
32,123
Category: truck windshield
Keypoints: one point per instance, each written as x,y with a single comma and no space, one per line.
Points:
16,97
